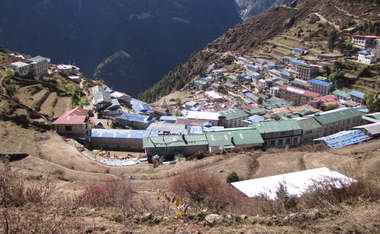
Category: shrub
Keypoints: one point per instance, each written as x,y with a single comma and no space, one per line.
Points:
332,192
114,193
233,177
203,189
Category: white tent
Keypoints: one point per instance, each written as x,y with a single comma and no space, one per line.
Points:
296,183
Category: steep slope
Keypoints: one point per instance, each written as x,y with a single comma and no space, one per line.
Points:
251,35
254,7
157,35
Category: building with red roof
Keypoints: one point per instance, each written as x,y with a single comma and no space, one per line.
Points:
73,123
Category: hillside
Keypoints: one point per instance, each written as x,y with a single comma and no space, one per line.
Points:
89,33
70,172
256,31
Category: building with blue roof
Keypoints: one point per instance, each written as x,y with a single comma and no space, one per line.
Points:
320,86
134,120
117,139
140,106
357,96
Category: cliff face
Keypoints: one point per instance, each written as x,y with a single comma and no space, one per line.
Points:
157,35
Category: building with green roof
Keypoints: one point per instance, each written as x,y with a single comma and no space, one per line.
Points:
168,146
341,94
282,133
311,129
339,120
237,138
233,118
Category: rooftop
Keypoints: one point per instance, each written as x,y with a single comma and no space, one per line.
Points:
308,124
296,183
161,128
337,115
117,133
320,82
277,126
357,94
175,141
234,114
76,116
235,137
203,115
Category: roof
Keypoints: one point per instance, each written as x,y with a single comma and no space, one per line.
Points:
76,116
296,183
308,124
140,106
117,133
337,115
258,111
39,59
203,115
255,119
344,138
19,64
133,117
302,92
277,126
374,117
175,141
234,114
357,94
235,137
320,83
372,129
161,128
341,93
168,118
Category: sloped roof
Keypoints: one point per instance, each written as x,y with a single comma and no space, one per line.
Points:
75,116
296,183
175,141
308,124
235,137
277,126
337,115
233,114
117,133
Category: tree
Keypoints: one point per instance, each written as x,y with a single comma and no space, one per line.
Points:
332,37
373,102
233,177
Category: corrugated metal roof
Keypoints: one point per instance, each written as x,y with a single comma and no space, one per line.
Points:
320,83
235,137
308,124
234,114
117,133
357,94
277,126
133,117
162,128
337,115
76,116
296,183
175,141
344,138
371,129
140,106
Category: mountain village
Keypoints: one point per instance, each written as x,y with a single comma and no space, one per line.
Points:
252,103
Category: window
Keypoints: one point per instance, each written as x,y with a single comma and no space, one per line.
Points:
288,141
280,142
68,128
273,143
